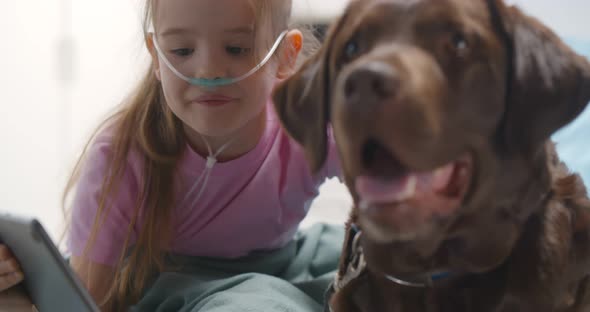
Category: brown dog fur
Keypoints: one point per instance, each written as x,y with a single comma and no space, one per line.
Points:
520,240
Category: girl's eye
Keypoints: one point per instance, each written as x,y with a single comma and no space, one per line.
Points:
236,50
183,52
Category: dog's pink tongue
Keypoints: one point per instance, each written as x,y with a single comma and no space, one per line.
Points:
374,190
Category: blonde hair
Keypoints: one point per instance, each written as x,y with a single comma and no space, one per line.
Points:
145,124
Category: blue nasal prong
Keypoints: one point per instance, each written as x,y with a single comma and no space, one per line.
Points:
216,82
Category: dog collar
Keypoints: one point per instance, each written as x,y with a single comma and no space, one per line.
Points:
424,281
357,265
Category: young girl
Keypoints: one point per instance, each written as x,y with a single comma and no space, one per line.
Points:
195,163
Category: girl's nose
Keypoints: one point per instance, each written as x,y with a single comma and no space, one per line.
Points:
209,65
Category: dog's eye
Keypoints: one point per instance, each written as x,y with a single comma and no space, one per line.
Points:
351,49
460,44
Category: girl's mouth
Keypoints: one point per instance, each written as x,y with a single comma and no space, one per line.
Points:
213,100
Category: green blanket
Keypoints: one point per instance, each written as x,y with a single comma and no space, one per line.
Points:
291,279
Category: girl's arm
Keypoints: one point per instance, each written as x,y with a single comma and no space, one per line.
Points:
97,278
105,228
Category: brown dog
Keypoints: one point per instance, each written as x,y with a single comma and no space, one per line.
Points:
442,112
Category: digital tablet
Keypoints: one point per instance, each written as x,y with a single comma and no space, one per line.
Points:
51,284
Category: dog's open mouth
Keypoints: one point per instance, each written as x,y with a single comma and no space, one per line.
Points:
403,204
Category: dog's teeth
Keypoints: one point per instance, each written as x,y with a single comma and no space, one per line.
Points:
441,177
412,184
410,189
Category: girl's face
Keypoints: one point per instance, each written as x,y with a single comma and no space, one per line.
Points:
213,39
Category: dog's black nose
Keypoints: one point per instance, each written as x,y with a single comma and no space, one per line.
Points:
374,81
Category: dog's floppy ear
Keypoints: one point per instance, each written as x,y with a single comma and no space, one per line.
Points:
302,102
549,83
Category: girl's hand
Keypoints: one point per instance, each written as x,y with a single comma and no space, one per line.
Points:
10,272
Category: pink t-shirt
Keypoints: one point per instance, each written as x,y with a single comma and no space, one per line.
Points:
255,202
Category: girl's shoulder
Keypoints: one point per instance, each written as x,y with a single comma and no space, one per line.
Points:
101,150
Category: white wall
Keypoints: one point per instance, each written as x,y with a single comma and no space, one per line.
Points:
46,119
29,109
60,73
